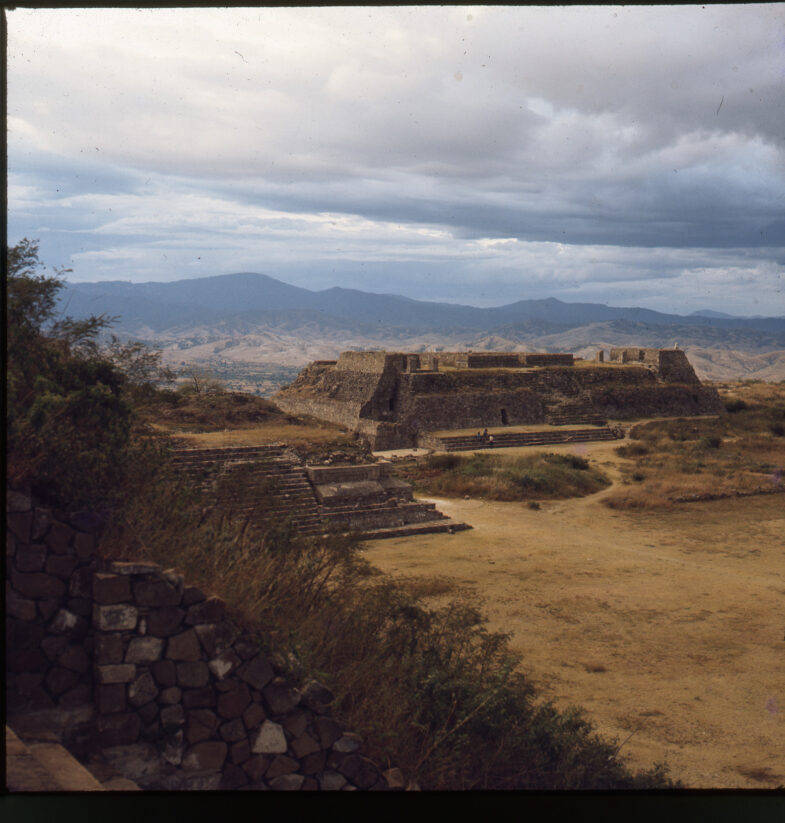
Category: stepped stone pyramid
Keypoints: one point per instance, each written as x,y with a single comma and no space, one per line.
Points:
401,400
271,484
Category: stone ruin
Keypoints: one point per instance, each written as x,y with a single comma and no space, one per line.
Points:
397,400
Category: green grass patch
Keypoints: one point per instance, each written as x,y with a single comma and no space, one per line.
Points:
508,478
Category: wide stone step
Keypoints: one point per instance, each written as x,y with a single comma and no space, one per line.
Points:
412,529
468,442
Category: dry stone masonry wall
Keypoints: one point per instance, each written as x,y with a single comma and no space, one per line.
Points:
395,400
174,693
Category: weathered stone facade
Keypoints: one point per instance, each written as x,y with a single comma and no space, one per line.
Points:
154,674
393,399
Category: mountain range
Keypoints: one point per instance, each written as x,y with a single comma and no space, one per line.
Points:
254,318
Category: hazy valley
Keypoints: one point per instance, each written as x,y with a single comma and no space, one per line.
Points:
255,332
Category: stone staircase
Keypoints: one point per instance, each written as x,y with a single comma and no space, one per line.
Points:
265,484
260,483
509,439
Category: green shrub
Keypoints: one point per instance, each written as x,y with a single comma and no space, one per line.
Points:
735,405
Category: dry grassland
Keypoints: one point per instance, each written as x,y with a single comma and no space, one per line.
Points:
667,626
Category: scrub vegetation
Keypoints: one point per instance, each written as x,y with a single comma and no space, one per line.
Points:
738,453
433,691
542,476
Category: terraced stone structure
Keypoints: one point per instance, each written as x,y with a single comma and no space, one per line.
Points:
396,400
269,484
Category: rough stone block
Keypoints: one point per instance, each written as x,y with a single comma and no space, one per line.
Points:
69,624
257,672
42,520
224,664
75,658
155,593
193,675
303,746
360,771
253,716
17,501
208,756
211,610
60,566
38,585
256,766
116,673
144,650
20,524
165,673
59,680
233,703
240,752
110,699
281,764
165,621
281,696
115,618
148,714
80,605
170,696
203,698
142,690
287,783
108,649
216,638
109,589
348,743
30,558
247,646
328,730
184,646
79,695
295,722
48,608
191,595
53,646
81,582
172,716
233,777
20,607
202,725
58,538
313,763
88,522
232,731
270,740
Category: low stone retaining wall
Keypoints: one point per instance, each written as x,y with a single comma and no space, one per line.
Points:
182,696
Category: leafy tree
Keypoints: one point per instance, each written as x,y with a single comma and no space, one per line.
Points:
68,410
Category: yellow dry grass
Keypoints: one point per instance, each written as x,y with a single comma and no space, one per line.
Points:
665,625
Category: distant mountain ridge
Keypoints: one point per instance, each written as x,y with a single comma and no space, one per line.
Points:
222,298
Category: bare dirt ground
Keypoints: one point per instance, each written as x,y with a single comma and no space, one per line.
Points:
667,627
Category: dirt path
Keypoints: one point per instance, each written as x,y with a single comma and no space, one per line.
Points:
668,628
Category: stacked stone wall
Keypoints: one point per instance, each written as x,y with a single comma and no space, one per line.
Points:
179,694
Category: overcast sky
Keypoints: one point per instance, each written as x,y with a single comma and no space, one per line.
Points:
625,155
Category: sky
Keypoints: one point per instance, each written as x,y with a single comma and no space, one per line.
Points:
479,155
